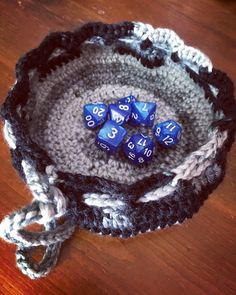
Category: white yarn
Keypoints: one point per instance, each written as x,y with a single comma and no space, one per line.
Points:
198,161
102,200
8,134
169,40
157,194
39,190
53,204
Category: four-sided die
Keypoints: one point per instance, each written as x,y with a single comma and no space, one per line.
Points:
143,113
119,112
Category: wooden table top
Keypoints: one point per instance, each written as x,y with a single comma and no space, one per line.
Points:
197,257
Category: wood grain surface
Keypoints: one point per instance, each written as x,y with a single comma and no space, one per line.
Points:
197,257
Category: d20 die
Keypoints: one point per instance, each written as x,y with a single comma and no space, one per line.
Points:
110,137
167,133
143,113
139,148
94,114
128,99
119,113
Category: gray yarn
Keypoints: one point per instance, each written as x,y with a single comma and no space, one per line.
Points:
100,75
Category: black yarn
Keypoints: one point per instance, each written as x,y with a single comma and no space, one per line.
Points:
182,204
147,43
81,184
224,100
123,48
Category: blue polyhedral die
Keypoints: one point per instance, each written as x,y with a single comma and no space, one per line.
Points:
143,113
110,137
139,148
119,112
94,114
128,99
167,133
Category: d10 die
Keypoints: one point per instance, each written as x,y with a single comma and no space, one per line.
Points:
167,133
94,114
119,113
139,148
143,113
110,137
128,99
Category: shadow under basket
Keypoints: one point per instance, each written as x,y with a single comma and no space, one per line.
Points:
75,183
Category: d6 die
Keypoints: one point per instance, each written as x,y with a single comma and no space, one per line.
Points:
139,148
119,112
110,137
143,113
167,133
128,99
94,114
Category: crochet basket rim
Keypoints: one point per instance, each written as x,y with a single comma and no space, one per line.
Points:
208,78
95,203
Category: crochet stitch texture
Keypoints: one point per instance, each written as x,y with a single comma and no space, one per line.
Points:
57,158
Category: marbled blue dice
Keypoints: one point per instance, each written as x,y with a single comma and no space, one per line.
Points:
128,99
119,112
110,137
167,133
143,113
94,114
139,148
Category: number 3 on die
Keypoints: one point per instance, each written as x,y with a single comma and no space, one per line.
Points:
113,133
110,136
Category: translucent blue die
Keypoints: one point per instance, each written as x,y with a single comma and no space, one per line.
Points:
128,99
94,114
139,148
167,133
143,113
119,112
110,137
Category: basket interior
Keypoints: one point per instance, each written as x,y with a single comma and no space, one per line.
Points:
55,112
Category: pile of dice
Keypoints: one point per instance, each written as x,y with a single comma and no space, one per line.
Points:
139,147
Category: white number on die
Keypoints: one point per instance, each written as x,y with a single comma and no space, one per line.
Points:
90,122
104,146
131,145
141,160
169,126
158,131
152,117
113,133
117,117
142,142
98,111
147,152
144,109
131,156
123,107
167,140
135,116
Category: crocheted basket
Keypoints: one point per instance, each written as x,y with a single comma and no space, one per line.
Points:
70,177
